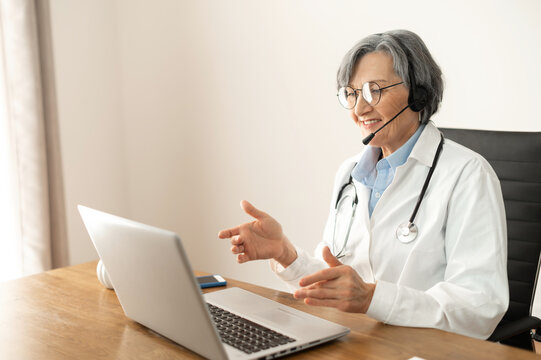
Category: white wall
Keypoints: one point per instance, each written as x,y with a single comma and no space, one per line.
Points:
85,48
173,111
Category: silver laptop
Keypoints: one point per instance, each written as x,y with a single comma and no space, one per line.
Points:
155,285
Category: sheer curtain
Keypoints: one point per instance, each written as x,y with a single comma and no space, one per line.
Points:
32,225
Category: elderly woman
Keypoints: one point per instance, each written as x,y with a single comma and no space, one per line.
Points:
416,234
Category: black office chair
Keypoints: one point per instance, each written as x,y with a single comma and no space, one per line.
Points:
516,158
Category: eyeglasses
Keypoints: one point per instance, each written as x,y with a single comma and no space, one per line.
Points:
371,91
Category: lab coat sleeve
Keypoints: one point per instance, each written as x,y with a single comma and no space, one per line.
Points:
302,266
474,294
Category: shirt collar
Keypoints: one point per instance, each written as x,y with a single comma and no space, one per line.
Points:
365,167
400,156
364,171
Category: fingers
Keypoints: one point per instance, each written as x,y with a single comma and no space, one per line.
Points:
329,258
236,240
326,274
237,249
316,293
323,302
315,296
242,258
238,245
224,234
344,297
252,210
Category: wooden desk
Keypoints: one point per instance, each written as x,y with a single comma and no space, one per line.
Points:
67,314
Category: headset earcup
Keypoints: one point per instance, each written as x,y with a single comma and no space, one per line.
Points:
418,98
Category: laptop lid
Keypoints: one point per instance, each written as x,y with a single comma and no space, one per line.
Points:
142,261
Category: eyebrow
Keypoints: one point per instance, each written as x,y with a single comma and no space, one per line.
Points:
377,80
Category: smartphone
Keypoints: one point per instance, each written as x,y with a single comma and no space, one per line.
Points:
211,281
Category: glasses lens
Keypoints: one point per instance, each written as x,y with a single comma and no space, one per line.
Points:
371,93
347,97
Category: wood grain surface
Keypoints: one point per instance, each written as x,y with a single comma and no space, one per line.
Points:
67,314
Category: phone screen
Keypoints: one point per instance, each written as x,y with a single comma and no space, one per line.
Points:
211,281
207,279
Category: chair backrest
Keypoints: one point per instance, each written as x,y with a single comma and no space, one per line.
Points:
516,159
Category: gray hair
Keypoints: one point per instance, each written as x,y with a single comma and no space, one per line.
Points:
426,72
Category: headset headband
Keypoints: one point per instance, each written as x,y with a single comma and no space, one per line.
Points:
418,95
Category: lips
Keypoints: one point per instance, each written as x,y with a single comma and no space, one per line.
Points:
369,124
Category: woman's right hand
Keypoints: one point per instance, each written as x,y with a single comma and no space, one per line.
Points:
260,239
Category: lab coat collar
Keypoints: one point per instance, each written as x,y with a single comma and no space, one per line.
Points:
425,148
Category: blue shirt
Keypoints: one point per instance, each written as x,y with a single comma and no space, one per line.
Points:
378,175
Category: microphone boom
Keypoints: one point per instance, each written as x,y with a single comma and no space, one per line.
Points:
369,138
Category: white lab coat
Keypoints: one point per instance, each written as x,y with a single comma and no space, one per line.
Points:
453,276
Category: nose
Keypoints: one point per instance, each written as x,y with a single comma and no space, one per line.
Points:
362,106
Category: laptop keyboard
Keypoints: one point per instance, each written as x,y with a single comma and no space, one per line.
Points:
244,334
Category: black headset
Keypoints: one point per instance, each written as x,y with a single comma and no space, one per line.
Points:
418,95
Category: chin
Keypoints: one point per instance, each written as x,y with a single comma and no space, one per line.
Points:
377,142
364,132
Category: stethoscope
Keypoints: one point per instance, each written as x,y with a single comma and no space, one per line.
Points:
406,232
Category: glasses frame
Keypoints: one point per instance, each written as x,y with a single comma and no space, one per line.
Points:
357,91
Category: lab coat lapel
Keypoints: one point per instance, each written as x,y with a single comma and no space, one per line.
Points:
427,145
399,199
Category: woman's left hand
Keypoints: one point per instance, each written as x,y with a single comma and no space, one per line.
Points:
338,286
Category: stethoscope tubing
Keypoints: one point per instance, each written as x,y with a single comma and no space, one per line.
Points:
341,253
406,232
427,180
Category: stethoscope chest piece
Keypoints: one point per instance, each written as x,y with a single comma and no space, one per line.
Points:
406,232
